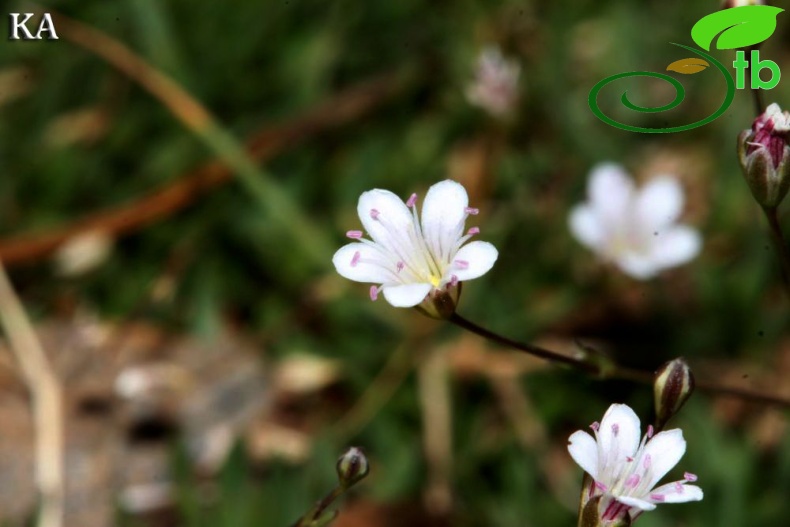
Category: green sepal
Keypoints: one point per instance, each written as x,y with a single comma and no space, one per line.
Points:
590,516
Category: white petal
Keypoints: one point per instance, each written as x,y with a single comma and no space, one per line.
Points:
665,450
372,267
480,257
584,451
618,434
395,219
407,295
676,246
671,494
587,227
637,265
637,503
443,212
610,190
659,202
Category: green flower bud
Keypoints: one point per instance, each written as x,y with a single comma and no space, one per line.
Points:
672,386
352,467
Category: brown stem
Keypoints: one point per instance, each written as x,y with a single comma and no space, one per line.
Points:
537,351
780,245
319,508
613,371
338,110
741,393
759,104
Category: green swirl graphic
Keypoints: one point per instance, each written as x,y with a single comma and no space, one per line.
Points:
680,94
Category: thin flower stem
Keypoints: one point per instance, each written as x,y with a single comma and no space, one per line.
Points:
780,245
742,393
613,371
759,105
537,351
318,510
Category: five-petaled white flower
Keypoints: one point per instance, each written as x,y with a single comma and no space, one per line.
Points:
408,258
635,229
495,86
625,470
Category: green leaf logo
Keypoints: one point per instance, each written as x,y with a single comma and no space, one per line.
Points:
740,27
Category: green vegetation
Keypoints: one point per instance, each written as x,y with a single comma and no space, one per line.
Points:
78,137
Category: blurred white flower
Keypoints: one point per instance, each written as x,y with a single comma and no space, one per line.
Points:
495,85
146,497
635,229
83,252
304,374
625,471
410,259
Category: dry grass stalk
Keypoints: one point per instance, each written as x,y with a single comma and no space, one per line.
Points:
46,400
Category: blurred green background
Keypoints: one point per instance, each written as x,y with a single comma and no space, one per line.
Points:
78,137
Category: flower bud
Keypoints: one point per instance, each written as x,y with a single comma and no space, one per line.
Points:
672,386
764,152
352,467
441,304
740,3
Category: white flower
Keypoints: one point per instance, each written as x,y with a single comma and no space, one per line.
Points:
495,86
635,229
409,258
625,470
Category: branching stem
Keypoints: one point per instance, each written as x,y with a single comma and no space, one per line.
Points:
609,370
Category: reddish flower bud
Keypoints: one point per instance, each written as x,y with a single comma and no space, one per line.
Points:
763,152
672,386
